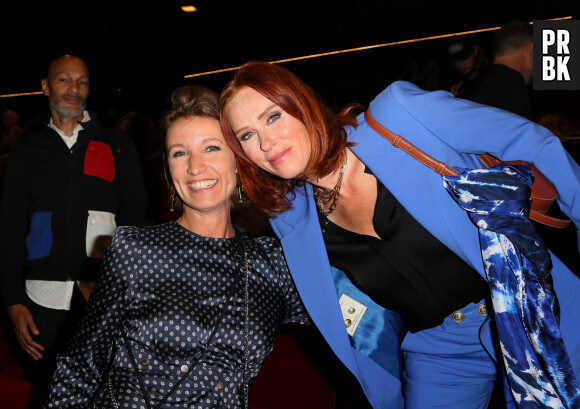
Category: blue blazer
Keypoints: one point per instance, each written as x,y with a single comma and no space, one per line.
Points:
452,130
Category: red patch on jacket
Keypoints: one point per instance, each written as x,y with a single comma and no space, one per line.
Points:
99,161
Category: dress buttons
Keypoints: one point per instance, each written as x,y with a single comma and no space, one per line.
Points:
347,322
184,368
458,316
220,385
145,361
351,310
482,310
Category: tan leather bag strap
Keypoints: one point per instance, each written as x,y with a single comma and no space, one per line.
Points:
540,217
399,142
549,220
442,168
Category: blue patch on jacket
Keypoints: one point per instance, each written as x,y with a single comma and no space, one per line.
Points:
39,239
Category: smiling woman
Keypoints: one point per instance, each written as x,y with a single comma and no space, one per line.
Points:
277,141
169,322
201,168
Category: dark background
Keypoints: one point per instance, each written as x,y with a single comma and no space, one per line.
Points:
138,52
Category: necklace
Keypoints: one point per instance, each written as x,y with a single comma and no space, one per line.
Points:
324,196
247,372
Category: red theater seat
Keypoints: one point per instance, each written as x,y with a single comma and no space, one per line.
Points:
290,378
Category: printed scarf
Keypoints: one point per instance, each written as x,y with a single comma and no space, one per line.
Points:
518,268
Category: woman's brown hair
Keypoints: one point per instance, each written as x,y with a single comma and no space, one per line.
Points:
325,128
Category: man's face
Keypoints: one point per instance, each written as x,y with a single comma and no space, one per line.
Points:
467,65
67,86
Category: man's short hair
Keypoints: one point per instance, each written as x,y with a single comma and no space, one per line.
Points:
511,37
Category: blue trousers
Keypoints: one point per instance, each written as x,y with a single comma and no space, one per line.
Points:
452,365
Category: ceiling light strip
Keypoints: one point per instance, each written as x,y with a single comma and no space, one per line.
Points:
369,47
323,54
21,94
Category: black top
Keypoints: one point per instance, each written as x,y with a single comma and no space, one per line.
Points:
505,88
408,270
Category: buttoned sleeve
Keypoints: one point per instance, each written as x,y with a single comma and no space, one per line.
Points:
81,369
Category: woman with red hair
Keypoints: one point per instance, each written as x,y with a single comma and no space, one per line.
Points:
390,268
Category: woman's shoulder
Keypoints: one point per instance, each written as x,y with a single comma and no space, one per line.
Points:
405,90
267,243
404,101
267,247
266,252
142,234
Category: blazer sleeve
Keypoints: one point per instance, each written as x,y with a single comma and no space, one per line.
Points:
83,366
469,127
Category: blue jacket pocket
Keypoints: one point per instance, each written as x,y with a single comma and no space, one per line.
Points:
39,239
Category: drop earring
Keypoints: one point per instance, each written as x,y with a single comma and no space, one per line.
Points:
172,205
240,191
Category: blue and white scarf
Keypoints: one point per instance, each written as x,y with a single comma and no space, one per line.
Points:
518,268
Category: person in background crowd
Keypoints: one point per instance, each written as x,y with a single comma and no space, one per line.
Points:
468,61
11,134
145,134
12,131
66,188
506,84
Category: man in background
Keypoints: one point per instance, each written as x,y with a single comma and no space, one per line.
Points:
505,85
66,188
467,61
11,130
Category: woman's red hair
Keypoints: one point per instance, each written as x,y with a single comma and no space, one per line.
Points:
325,128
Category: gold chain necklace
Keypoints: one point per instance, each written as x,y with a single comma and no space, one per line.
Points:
324,196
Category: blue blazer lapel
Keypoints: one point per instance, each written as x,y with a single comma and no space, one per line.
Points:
301,238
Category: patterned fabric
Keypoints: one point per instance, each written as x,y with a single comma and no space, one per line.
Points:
518,268
164,286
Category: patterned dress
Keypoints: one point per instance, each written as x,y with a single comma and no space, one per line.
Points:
160,294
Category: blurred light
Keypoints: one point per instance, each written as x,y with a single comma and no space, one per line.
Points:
21,94
415,40
188,9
